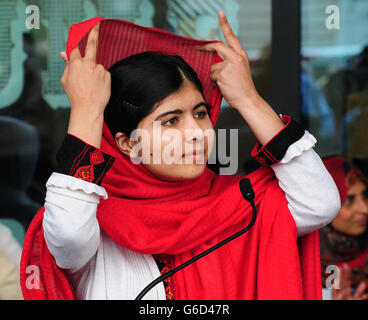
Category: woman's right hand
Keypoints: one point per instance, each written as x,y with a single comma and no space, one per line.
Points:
88,87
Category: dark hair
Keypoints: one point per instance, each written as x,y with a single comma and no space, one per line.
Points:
139,82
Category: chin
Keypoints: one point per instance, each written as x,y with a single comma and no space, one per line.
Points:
194,172
357,231
191,171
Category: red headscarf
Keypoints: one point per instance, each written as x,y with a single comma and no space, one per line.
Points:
184,218
341,172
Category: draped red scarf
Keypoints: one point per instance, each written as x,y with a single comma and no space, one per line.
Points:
184,218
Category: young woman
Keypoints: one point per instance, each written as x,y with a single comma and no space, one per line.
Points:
344,242
156,215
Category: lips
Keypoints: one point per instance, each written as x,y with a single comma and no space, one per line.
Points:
361,222
198,154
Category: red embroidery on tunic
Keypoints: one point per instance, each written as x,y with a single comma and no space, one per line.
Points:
170,289
85,173
96,157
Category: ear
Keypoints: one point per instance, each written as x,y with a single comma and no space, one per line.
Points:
125,144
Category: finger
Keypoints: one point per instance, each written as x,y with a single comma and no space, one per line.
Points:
66,62
75,54
344,277
339,294
360,290
222,50
217,67
92,43
364,297
347,271
64,56
229,34
214,76
341,274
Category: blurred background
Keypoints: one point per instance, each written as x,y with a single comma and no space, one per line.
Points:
309,59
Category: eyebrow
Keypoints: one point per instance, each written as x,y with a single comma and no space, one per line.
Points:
178,111
352,196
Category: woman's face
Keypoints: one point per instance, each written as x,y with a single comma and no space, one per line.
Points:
352,217
168,137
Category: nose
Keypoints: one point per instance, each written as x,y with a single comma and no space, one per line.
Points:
363,206
194,135
193,132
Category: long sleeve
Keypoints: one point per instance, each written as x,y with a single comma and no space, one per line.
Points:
312,195
313,198
71,229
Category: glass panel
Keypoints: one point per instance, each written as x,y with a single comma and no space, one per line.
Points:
335,75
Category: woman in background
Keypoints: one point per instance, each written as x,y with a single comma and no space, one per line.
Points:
344,241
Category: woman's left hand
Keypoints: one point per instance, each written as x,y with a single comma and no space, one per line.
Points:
232,75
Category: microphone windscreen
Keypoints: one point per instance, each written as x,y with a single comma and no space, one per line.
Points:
246,189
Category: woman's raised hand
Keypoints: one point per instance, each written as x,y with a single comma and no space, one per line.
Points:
234,79
233,75
88,87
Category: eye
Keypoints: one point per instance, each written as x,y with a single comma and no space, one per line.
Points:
365,194
170,121
201,114
349,200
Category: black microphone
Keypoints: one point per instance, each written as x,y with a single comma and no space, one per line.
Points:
247,192
246,189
